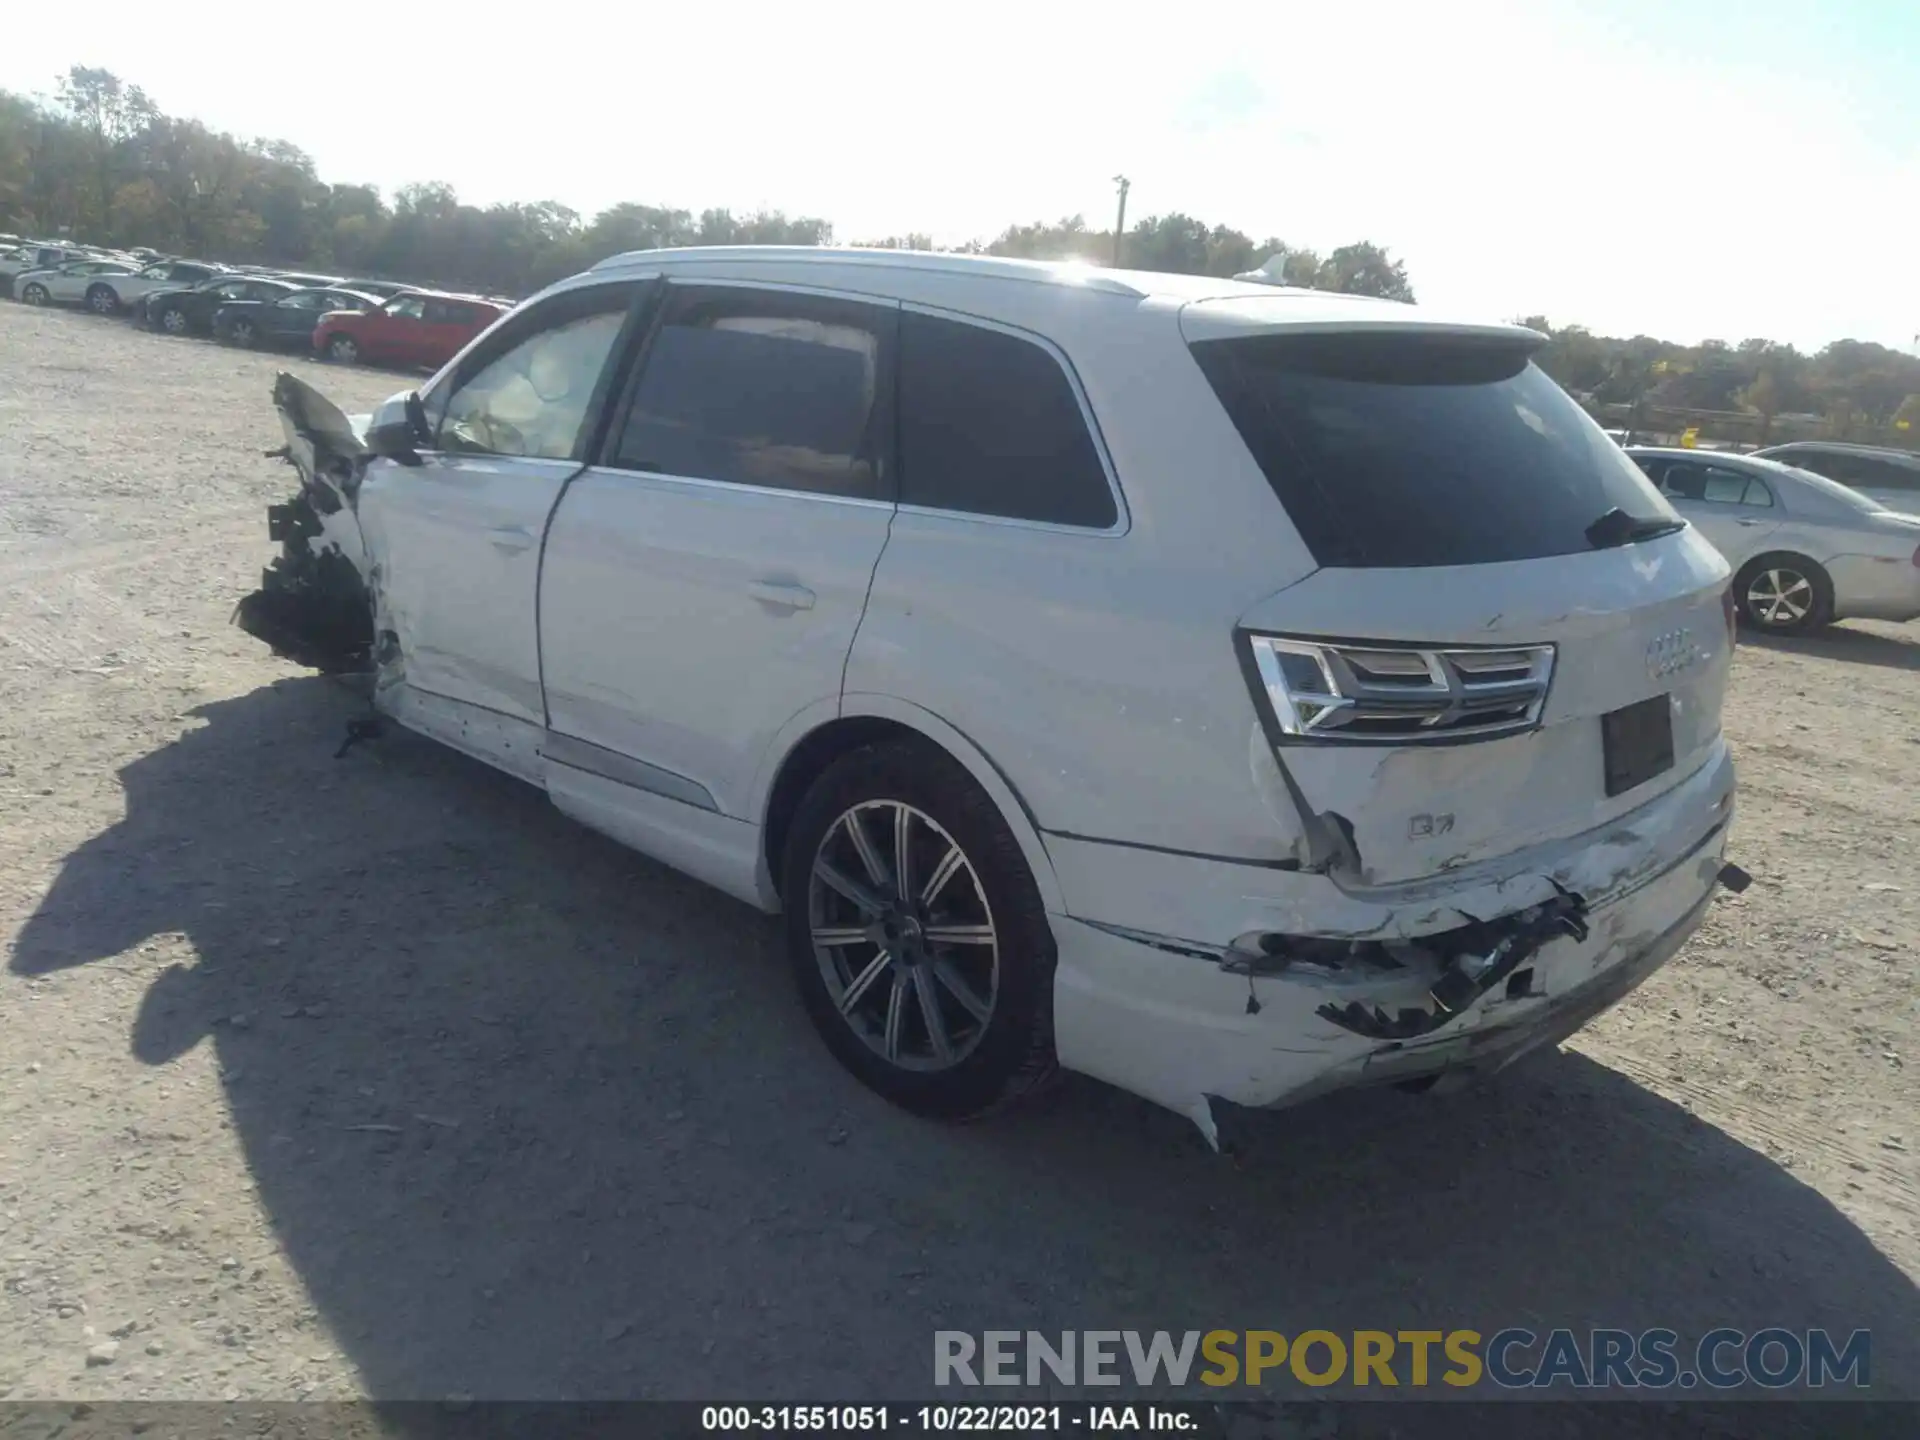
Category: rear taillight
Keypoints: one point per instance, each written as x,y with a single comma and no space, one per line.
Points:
1354,693
1732,611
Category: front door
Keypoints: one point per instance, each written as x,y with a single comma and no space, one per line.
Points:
705,578
458,536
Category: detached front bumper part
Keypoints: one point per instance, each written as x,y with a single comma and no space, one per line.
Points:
311,607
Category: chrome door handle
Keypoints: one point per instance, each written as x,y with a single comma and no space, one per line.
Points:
510,538
781,596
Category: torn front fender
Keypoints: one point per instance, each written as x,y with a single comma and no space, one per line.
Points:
315,602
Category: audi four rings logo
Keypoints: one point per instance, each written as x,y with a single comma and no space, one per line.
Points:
1671,653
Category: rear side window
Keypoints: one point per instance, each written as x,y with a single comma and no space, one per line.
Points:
1889,475
762,388
1869,471
1403,450
1821,462
990,425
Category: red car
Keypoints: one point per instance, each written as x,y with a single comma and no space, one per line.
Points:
416,327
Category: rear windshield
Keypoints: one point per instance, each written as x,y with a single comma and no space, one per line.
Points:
1408,450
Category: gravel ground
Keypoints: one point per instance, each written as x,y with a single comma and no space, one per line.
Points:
378,1077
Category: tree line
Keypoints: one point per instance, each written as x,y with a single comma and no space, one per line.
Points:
100,162
1849,389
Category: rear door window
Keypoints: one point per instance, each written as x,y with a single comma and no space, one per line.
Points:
762,387
990,424
1732,487
1406,450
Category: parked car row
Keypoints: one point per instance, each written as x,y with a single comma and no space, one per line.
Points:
346,319
19,262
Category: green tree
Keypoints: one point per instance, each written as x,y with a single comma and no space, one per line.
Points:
1364,269
109,116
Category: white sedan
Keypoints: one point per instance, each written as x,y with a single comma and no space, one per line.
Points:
1805,550
67,284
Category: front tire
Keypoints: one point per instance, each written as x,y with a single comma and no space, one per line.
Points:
930,977
1784,595
343,350
173,320
102,301
35,294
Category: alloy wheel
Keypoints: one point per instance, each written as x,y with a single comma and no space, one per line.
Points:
35,295
103,302
343,350
174,322
242,332
903,935
1779,596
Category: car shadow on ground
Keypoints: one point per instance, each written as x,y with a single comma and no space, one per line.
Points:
1847,642
536,1118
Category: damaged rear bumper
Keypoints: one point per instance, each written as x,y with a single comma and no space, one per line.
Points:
1184,1022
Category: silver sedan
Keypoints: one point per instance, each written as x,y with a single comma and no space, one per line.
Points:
1805,550
66,284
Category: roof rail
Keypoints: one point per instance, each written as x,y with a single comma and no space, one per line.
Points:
1040,272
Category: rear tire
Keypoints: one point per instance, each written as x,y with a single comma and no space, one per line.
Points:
102,301
173,320
1783,594
240,333
343,350
951,1014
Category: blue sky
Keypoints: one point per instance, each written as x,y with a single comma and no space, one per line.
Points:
1686,168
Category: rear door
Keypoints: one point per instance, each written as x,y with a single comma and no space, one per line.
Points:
457,538
294,317
445,326
1732,508
1511,639
704,579
392,333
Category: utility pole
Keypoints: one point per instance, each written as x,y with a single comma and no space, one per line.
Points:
1120,224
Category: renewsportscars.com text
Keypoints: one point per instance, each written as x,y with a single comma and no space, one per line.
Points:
1773,1358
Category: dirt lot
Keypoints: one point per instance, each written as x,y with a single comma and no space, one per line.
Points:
376,1076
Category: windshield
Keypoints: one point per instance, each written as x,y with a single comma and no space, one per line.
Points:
1402,449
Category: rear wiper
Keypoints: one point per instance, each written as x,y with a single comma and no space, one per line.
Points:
1617,527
